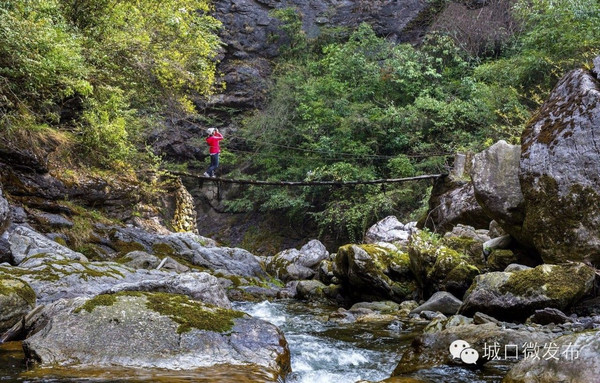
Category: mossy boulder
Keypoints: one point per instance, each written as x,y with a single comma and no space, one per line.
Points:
17,298
157,330
516,295
438,267
69,279
499,259
560,172
578,360
373,272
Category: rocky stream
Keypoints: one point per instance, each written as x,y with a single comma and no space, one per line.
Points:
506,291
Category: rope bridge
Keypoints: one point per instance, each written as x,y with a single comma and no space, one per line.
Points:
309,183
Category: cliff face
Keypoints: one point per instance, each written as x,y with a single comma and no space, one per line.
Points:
252,35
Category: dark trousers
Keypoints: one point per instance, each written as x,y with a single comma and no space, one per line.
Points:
214,164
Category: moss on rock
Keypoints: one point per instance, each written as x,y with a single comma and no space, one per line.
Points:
10,285
189,314
563,284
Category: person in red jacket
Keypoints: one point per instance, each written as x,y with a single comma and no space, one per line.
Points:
213,139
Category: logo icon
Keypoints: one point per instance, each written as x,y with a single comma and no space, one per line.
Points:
462,350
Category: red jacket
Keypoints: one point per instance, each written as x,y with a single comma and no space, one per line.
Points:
213,143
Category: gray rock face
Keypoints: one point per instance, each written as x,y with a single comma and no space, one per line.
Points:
388,230
441,301
141,260
4,212
198,250
495,177
516,295
16,300
53,281
25,244
578,360
138,331
453,202
300,264
560,172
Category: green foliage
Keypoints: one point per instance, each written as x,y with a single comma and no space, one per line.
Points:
101,68
557,36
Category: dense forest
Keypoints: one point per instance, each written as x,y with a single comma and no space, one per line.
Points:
97,75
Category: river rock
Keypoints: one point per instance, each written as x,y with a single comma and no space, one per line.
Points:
560,172
431,349
389,230
549,315
17,298
495,177
499,260
157,330
53,281
516,295
453,202
193,248
4,212
293,264
26,244
374,271
442,302
577,359
438,267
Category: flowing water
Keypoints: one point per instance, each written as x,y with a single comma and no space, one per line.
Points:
321,351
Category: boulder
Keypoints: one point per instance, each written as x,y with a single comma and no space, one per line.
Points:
374,272
442,302
547,316
17,298
453,202
560,172
26,244
577,359
310,290
431,349
499,260
58,280
293,264
516,295
388,230
190,247
438,267
157,330
495,177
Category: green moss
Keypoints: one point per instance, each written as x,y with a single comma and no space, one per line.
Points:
189,314
99,300
560,283
192,314
10,285
500,258
163,250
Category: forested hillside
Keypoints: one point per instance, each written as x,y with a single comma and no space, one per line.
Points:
99,76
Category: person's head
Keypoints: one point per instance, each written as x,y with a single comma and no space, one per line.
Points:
210,131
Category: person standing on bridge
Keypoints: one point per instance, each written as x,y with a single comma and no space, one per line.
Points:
213,139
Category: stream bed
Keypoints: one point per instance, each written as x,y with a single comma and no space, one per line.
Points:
321,351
